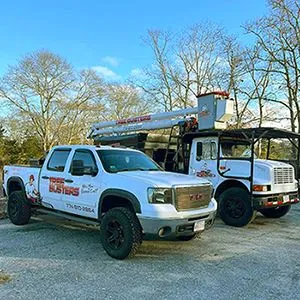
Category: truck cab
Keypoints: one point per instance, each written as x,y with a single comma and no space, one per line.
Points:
244,183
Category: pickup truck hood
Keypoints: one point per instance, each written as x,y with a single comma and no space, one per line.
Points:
163,179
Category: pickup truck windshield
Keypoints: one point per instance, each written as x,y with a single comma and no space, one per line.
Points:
115,161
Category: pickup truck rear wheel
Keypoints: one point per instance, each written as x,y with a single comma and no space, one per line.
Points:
121,233
275,212
235,207
18,208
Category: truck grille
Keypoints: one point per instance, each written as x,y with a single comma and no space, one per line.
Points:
283,175
192,197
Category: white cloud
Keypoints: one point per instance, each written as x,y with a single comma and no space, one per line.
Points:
112,61
107,73
136,72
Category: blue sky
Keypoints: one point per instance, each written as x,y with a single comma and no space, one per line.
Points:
108,34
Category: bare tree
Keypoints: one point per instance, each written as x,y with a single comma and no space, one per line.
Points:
123,101
184,65
156,80
44,89
279,37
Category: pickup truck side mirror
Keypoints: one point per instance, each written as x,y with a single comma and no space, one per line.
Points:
93,171
77,168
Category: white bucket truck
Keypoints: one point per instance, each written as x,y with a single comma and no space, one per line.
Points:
243,184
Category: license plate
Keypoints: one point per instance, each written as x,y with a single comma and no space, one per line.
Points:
199,225
286,198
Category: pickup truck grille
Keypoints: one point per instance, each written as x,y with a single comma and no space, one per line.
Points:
283,175
192,197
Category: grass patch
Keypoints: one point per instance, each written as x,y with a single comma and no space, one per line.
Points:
4,278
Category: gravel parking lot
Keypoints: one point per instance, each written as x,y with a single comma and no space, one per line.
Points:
55,259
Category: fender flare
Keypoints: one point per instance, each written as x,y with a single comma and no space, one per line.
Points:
229,183
15,179
122,194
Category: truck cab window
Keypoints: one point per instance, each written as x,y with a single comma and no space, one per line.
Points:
213,150
236,149
58,160
206,150
87,161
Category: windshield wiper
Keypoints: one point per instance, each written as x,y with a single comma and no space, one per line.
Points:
122,170
137,169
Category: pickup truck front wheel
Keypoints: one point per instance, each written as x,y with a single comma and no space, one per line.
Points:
121,233
18,208
275,212
235,207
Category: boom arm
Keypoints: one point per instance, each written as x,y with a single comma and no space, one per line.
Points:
213,110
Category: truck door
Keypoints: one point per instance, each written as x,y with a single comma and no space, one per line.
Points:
52,178
83,190
204,160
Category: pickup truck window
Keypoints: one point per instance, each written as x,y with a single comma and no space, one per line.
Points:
58,160
115,161
87,160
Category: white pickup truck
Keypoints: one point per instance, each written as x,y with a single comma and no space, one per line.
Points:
123,190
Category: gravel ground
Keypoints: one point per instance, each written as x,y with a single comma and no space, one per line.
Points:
55,259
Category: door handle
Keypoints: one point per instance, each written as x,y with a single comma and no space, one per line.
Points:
68,180
45,177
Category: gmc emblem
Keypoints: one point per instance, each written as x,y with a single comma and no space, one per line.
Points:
194,197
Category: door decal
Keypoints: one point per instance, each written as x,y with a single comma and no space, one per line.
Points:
88,189
205,172
57,185
32,192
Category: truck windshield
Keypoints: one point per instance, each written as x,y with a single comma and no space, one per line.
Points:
236,149
115,161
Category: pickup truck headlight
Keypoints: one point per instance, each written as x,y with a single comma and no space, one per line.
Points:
160,195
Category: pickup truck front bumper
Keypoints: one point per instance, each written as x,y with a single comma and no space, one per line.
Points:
275,200
177,227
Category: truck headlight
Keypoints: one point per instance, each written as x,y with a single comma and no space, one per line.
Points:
160,195
261,188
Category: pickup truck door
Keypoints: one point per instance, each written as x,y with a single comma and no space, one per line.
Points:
203,161
51,181
84,182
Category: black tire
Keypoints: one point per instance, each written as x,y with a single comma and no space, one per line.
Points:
18,208
275,212
186,238
121,233
235,207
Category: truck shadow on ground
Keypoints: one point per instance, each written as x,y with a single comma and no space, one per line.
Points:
50,238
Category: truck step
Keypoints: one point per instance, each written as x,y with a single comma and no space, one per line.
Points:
67,216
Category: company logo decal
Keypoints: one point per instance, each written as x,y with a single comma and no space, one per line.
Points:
194,197
204,111
32,192
57,185
205,172
133,120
